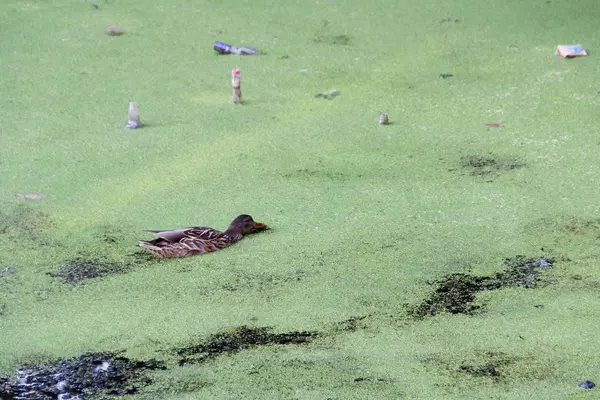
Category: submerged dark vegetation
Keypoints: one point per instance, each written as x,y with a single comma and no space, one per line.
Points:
89,375
110,375
456,293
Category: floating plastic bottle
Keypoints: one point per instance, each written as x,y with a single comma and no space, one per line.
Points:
133,116
224,48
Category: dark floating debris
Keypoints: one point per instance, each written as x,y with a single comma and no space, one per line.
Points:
363,379
350,324
239,339
92,375
486,365
449,20
456,293
332,94
482,165
493,366
446,76
587,384
483,370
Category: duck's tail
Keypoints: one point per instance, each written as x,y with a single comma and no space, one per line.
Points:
174,251
152,247
147,245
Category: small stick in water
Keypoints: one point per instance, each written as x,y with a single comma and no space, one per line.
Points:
383,119
31,196
494,124
133,116
236,87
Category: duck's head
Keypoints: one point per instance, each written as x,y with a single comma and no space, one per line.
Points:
244,224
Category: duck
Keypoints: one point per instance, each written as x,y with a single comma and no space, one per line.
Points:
192,241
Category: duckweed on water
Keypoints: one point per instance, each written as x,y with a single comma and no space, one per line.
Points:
24,223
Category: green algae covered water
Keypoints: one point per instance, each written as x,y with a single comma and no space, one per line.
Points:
367,220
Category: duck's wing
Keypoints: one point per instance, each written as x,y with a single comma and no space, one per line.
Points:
171,235
195,232
203,233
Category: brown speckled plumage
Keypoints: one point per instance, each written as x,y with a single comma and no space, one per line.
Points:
193,241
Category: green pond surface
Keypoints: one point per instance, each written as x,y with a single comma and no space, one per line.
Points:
366,219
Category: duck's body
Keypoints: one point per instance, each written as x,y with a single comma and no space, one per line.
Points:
177,243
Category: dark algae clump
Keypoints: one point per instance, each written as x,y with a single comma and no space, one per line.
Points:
239,339
489,164
79,270
480,370
456,293
92,375
490,365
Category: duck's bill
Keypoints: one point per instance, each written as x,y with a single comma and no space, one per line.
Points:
259,226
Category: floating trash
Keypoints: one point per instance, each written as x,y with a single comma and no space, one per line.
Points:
236,87
543,262
133,116
224,48
383,119
570,50
494,124
113,30
587,384
30,196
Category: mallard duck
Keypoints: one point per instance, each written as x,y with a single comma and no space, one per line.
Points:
177,243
